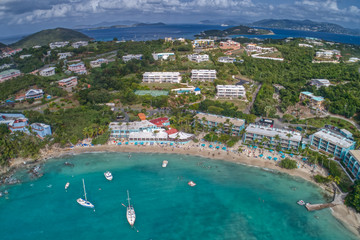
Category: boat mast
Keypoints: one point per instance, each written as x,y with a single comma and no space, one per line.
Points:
84,190
128,197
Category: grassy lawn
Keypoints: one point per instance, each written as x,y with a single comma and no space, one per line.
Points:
238,103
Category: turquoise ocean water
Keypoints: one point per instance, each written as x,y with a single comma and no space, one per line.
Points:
230,201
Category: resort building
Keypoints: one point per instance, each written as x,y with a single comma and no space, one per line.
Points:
68,82
15,122
305,45
34,93
98,62
129,57
226,59
163,56
233,91
160,122
283,138
314,101
25,56
229,44
332,142
79,44
64,55
223,124
161,77
41,129
8,53
203,43
123,130
78,68
9,74
320,83
324,54
187,90
198,57
203,75
58,44
47,72
352,163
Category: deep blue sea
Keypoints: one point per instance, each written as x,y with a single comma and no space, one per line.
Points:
230,201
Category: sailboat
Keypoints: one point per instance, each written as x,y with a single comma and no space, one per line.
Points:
82,202
130,212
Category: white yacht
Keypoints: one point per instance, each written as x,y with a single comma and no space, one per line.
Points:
191,184
130,212
85,203
67,185
164,163
108,175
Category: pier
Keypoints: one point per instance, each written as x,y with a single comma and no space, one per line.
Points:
337,200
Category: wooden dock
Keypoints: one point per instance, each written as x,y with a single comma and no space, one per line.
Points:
337,200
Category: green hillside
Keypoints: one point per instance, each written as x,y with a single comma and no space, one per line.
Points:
2,45
50,35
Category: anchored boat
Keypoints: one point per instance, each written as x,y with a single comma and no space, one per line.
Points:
164,163
85,203
130,212
108,175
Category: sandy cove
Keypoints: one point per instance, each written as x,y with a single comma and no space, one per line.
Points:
348,217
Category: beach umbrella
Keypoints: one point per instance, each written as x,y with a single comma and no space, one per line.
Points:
126,143
281,152
261,155
250,146
283,156
203,145
275,158
171,144
224,148
119,143
217,147
255,146
142,143
161,143
269,157
210,146
271,150
136,143
304,159
291,154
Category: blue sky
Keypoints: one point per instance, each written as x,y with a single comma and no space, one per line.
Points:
26,16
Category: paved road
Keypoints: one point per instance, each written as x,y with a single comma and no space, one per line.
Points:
248,108
339,117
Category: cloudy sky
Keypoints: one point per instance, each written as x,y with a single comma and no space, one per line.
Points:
26,16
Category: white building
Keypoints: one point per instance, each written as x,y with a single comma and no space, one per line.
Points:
58,44
161,77
163,56
64,55
98,62
233,91
78,68
25,56
324,54
68,82
187,90
320,83
129,57
46,72
203,75
226,59
34,93
305,45
79,44
123,130
198,57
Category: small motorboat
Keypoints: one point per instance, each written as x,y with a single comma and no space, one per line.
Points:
191,184
67,185
301,202
164,163
108,175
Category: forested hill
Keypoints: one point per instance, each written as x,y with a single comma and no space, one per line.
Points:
238,30
305,25
50,35
2,45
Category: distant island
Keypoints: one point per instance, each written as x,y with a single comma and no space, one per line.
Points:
127,26
50,35
305,25
238,30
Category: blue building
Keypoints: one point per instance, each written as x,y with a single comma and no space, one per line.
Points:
351,160
123,130
41,129
332,142
15,122
228,125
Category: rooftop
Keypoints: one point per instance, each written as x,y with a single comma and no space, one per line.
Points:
272,132
356,154
131,125
150,135
9,71
334,138
220,119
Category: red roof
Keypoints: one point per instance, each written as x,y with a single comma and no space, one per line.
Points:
159,121
171,131
142,116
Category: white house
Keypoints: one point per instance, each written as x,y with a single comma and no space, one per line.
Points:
233,91
162,56
58,44
98,62
203,75
79,44
64,55
161,77
68,82
34,93
198,57
46,72
129,57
